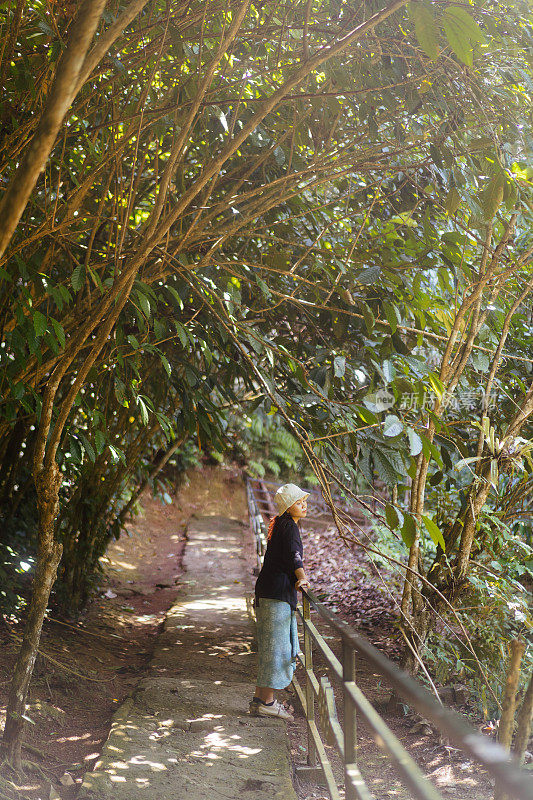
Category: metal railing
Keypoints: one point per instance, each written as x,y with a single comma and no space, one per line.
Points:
257,524
317,698
318,701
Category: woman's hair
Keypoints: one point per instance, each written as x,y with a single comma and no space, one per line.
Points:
271,526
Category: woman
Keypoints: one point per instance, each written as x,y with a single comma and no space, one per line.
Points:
275,602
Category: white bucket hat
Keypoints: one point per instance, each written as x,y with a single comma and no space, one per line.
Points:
288,494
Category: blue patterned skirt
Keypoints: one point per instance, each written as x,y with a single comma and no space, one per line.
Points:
277,642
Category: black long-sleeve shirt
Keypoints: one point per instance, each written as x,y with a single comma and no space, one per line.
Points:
283,556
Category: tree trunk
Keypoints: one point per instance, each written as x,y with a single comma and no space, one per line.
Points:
524,718
75,568
416,633
63,91
505,730
47,483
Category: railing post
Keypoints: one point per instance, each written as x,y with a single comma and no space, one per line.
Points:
262,536
309,694
350,720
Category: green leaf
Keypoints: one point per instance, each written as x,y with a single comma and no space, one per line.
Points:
415,442
425,28
369,275
392,315
436,384
18,391
465,461
40,324
99,441
59,331
366,415
221,117
364,464
166,364
120,391
434,531
481,361
392,426
453,201
408,530
75,450
462,18
411,471
117,454
458,38
144,410
87,446
397,461
279,156
368,316
175,295
447,461
436,478
426,449
52,342
385,368
404,218
436,155
182,334
264,288
77,279
384,468
339,366
166,425
435,452
144,304
492,196
391,515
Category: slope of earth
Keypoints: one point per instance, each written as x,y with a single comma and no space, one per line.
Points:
88,666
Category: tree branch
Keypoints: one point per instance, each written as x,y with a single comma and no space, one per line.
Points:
63,91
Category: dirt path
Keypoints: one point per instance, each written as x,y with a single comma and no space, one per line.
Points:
89,666
186,732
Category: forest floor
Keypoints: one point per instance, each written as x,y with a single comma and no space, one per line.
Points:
91,665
